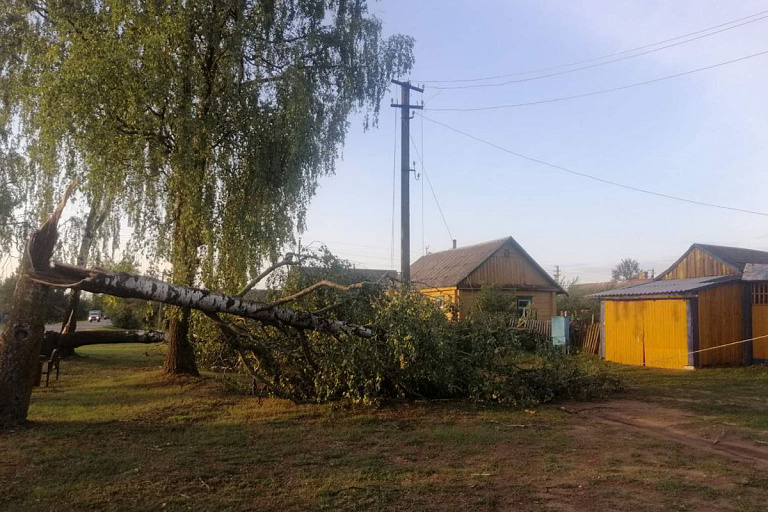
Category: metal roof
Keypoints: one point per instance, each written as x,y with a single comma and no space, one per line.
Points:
755,272
667,287
449,268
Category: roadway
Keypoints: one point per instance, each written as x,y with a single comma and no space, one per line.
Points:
82,325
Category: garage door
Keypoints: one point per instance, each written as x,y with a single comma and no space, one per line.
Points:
647,333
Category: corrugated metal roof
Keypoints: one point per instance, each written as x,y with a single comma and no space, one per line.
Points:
667,287
449,268
591,288
755,272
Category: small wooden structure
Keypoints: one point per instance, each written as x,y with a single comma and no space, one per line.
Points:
457,275
700,312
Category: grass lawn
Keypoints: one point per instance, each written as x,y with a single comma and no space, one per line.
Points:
114,434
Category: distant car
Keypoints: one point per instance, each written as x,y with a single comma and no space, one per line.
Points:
94,316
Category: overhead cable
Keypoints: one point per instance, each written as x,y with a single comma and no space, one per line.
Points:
595,93
592,177
759,16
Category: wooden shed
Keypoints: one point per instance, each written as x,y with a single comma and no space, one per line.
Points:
457,275
693,314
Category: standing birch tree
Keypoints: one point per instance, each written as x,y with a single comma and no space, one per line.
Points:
213,118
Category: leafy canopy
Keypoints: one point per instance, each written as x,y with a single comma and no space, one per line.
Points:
625,270
213,119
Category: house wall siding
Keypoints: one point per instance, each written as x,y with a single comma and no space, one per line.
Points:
698,264
544,302
506,268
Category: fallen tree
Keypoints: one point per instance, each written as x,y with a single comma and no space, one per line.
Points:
53,340
20,344
131,286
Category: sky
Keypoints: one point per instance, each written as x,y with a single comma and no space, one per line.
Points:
700,136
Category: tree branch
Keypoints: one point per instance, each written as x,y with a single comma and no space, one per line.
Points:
321,284
287,260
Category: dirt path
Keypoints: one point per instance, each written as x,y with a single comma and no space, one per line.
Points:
672,425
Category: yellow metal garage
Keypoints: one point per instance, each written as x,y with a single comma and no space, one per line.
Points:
674,323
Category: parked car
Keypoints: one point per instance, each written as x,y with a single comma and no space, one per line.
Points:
94,315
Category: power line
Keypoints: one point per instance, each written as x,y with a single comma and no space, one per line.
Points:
595,93
624,52
558,73
591,177
429,182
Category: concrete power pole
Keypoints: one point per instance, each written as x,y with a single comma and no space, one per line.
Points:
405,177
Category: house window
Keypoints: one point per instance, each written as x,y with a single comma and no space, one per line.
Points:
524,305
760,293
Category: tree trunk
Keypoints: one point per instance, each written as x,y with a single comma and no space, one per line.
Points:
180,358
92,223
20,351
23,334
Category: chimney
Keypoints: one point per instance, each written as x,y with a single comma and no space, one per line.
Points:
454,243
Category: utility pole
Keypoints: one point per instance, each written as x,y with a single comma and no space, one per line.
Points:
405,177
557,273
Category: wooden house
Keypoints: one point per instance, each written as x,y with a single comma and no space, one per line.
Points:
457,275
694,314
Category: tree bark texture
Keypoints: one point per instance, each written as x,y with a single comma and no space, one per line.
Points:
125,285
180,358
20,351
23,333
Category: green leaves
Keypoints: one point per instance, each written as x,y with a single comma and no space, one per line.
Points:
210,120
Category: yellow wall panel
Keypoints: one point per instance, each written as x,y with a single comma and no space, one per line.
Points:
647,333
624,332
665,325
760,328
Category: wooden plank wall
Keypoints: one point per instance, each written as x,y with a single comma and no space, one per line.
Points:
720,323
507,267
449,296
698,264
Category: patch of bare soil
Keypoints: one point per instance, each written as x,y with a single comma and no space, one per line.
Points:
671,425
